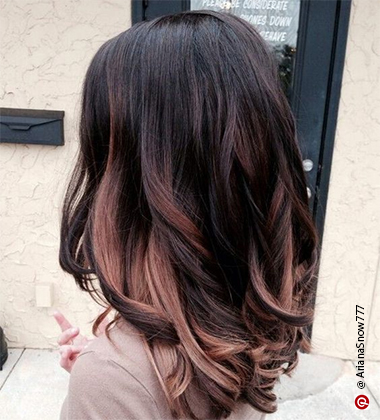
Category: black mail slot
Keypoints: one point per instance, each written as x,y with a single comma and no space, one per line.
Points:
31,126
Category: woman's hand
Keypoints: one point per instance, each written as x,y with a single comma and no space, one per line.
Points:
71,342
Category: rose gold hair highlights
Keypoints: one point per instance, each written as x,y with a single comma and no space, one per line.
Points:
188,207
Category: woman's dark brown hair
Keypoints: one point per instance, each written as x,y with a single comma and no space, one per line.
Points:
188,207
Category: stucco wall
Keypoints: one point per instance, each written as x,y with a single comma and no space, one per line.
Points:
349,273
45,49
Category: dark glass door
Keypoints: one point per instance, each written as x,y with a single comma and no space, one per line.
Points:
277,22
309,38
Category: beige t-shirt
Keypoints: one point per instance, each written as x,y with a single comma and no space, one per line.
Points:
118,382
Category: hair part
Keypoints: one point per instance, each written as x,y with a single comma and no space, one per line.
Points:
188,207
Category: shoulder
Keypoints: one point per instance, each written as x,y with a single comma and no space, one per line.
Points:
124,346
99,388
124,350
95,372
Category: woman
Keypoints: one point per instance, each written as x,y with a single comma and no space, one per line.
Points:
187,215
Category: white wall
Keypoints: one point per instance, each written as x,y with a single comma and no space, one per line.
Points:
45,49
350,261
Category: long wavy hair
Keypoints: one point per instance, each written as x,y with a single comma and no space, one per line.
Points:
187,211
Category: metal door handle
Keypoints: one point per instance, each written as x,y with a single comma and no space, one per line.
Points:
307,165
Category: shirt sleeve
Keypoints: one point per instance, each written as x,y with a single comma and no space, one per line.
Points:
100,389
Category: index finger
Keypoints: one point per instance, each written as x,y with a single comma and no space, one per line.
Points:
62,321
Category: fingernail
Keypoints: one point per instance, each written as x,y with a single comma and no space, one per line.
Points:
74,330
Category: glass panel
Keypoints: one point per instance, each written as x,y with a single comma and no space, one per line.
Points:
276,21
